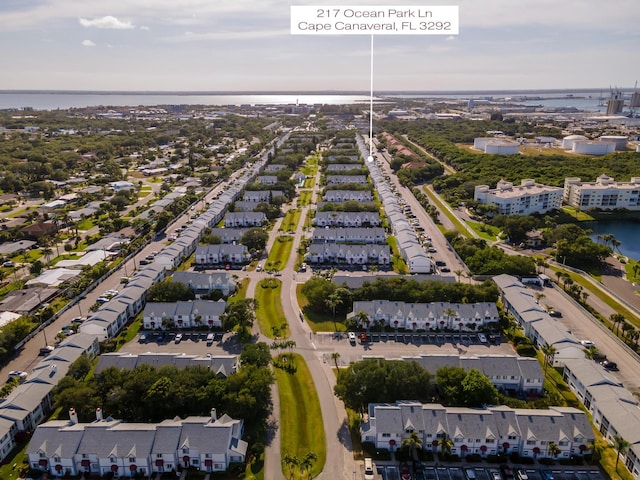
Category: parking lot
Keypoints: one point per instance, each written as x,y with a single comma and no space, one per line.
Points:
435,339
430,472
191,343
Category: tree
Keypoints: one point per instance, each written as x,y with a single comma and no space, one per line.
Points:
380,381
291,462
80,368
307,463
332,301
240,315
620,445
255,239
413,443
617,319
449,382
446,444
553,449
170,292
257,354
478,389
335,356
549,352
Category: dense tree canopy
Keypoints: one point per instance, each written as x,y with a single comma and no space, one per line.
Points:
169,292
461,388
379,381
255,239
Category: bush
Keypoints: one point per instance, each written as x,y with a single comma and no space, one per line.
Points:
525,350
473,458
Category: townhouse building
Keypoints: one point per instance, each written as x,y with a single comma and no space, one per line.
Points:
349,235
244,219
427,316
205,283
108,446
259,196
228,235
267,179
192,314
483,431
320,253
222,253
339,196
221,365
346,219
345,179
343,167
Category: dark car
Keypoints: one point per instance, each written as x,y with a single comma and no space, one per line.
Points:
555,313
405,471
161,337
609,365
506,471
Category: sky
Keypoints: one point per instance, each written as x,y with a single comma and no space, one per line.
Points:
246,45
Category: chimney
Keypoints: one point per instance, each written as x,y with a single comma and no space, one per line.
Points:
98,414
214,415
73,416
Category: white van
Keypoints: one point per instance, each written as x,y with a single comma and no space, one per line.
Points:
368,469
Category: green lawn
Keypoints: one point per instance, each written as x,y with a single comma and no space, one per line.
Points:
319,322
398,263
301,427
241,291
279,254
85,224
435,200
304,198
485,231
269,313
309,182
290,220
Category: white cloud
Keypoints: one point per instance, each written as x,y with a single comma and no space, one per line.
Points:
144,27
88,43
106,22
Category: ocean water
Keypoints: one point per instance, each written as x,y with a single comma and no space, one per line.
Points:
581,99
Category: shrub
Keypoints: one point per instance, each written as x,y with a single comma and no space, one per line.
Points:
473,458
525,350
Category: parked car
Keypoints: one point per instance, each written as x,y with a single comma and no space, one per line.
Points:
482,337
546,473
144,261
19,374
143,338
178,338
587,343
46,350
405,471
609,365
352,337
363,337
506,471
555,313
494,475
161,337
210,338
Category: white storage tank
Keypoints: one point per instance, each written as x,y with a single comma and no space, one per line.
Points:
567,142
502,147
619,140
590,147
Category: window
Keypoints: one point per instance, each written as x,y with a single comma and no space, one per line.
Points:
207,455
56,459
41,454
185,450
386,435
490,440
531,442
478,440
563,443
511,437
158,455
113,459
132,459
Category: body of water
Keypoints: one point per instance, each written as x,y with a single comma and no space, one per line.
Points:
627,232
54,101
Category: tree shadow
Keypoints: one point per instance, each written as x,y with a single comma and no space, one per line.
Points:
344,435
270,433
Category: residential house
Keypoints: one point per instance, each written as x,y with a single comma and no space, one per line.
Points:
244,219
221,254
349,235
205,283
339,196
347,219
39,230
228,235
221,365
348,254
258,196
191,314
267,179
345,179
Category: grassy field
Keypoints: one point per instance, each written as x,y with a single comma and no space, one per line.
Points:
241,292
304,198
85,224
301,427
279,254
270,314
435,200
577,214
485,231
319,322
290,220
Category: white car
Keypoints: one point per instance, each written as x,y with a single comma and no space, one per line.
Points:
178,338
482,337
587,343
18,374
352,337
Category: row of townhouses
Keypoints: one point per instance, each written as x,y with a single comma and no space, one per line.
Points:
484,431
267,179
274,167
408,242
259,196
343,167
221,365
228,235
339,196
614,410
348,254
205,283
346,219
108,446
345,179
244,219
222,253
510,374
426,316
349,235
191,314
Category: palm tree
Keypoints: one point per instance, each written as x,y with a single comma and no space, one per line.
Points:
620,445
554,450
617,319
335,356
446,444
458,273
363,318
291,462
412,443
47,251
332,301
549,351
307,463
449,312
539,296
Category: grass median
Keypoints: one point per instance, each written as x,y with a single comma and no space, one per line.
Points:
301,425
270,314
279,254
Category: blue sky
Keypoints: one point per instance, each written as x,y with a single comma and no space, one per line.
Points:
236,45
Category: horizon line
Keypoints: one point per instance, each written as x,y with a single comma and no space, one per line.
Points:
299,92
